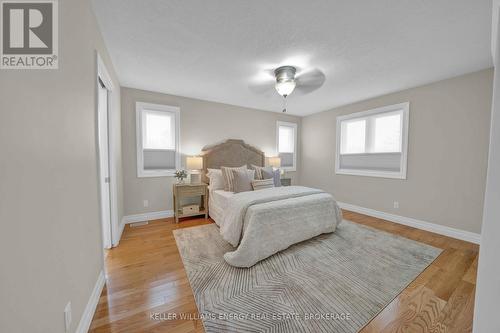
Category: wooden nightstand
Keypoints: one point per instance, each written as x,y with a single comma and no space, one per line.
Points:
190,190
286,181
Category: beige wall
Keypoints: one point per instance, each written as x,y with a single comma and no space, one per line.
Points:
447,156
202,123
50,243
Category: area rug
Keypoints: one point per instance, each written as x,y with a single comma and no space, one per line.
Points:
332,283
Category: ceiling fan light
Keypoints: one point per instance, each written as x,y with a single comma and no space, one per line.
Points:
285,88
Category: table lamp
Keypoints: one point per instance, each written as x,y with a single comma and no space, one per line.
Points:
275,162
195,164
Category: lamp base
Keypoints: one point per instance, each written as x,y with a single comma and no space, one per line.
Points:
195,178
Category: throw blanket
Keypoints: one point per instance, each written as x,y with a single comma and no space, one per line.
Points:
231,227
261,223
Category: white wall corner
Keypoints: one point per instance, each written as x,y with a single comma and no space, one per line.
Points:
88,313
118,237
419,224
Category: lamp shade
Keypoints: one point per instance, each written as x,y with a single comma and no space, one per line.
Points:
275,162
194,163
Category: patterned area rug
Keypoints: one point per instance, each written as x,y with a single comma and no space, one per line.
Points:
332,283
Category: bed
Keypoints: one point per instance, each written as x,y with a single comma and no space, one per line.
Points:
217,203
261,223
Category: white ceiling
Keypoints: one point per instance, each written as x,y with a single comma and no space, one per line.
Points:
216,50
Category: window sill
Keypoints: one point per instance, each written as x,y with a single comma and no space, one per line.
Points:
155,173
372,154
372,173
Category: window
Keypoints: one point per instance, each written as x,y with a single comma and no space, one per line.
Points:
157,129
286,141
373,143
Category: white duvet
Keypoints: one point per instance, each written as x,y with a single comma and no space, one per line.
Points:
261,223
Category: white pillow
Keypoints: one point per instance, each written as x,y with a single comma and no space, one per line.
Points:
209,171
216,180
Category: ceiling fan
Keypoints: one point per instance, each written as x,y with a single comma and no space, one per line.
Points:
287,79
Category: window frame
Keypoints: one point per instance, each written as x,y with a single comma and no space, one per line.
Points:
405,108
294,126
140,107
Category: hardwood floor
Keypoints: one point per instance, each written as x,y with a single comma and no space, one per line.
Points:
145,275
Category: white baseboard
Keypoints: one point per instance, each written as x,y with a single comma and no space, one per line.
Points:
88,313
147,216
142,218
411,222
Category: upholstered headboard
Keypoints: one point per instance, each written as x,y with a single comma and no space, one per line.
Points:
230,153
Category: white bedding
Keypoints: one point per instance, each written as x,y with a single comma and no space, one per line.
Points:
261,223
220,198
217,204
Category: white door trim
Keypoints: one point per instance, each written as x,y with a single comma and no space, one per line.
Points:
103,74
488,291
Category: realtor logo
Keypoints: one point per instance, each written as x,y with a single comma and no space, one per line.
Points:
29,34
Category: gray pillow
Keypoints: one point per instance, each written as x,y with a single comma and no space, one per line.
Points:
241,181
258,171
268,173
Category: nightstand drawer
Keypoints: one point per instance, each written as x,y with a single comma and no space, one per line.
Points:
186,191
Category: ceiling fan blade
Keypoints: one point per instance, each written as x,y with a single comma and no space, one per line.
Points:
263,83
263,88
309,81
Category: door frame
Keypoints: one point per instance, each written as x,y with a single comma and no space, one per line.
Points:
103,74
487,291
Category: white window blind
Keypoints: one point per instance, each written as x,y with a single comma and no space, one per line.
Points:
353,136
158,129
373,142
286,136
157,140
387,133
286,141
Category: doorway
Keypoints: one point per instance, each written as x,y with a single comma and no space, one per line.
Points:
104,158
106,95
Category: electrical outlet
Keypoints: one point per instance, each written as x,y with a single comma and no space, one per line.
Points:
67,316
146,203
396,204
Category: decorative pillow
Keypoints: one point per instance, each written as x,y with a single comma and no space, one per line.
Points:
254,168
227,176
258,171
241,181
274,174
260,184
251,174
277,177
215,179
